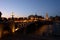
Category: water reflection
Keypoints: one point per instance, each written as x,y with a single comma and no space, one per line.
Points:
49,29
45,29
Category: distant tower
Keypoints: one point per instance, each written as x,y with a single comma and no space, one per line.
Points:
46,16
12,16
0,15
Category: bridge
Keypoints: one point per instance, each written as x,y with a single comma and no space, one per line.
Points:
22,27
32,26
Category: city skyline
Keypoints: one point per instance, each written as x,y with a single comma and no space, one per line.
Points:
24,8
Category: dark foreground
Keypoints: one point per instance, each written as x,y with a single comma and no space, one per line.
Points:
29,37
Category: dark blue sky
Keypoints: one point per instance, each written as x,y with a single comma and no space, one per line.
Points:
23,8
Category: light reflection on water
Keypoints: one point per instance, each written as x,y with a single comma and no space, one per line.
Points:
44,29
49,29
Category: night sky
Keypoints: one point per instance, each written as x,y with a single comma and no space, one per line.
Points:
24,8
